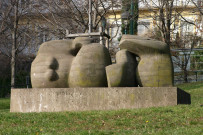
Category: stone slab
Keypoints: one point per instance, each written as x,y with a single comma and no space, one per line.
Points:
82,99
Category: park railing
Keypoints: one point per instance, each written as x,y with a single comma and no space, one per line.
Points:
193,76
5,90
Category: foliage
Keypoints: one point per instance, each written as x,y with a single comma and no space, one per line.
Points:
21,78
5,82
5,86
181,119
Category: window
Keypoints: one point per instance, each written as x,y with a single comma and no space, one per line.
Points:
143,26
116,33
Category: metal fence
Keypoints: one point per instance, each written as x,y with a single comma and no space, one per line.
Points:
193,76
5,88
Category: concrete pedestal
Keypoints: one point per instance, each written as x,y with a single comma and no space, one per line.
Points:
82,99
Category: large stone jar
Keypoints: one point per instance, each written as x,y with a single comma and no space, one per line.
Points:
88,68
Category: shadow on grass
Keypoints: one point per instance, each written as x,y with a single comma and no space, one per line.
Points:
4,103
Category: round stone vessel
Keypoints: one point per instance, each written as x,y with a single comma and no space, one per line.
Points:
88,68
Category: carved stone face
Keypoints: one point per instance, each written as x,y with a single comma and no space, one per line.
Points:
51,67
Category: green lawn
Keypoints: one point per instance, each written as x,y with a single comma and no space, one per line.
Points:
175,120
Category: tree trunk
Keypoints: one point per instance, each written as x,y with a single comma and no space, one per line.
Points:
13,60
90,16
136,16
169,7
14,42
185,75
95,14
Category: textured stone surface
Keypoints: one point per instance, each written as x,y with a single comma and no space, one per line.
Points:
80,63
155,68
79,42
51,67
88,67
81,99
116,75
122,74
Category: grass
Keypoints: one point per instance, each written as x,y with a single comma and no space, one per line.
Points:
174,120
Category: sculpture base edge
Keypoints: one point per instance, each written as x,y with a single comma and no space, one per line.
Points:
83,99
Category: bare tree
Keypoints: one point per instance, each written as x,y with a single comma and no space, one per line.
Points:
15,31
183,56
163,13
169,18
166,13
72,15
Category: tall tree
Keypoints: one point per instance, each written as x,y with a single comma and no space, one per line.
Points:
166,13
15,31
171,27
72,15
15,5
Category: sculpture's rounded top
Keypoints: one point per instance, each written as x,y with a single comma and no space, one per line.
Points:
82,41
142,45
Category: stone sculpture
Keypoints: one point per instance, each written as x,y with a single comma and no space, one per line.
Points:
62,64
155,68
50,68
122,74
88,67
81,63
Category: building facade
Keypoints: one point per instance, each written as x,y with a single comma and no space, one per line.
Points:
186,19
